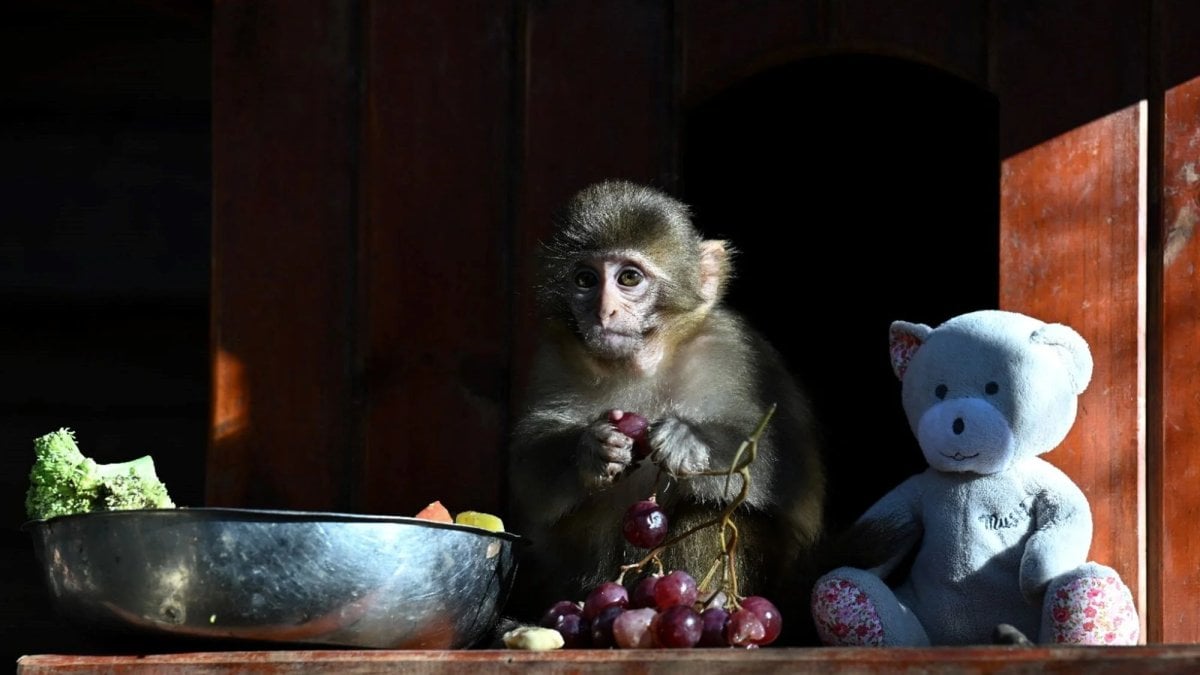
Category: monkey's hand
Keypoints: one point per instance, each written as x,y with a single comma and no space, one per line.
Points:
604,454
676,448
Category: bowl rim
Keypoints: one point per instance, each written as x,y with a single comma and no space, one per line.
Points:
268,515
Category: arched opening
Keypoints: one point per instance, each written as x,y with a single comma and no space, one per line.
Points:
858,190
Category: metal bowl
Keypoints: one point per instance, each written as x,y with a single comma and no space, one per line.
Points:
278,576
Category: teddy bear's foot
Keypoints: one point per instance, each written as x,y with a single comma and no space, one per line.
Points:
845,615
1092,607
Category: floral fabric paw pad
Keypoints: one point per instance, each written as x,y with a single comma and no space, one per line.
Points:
1094,611
845,616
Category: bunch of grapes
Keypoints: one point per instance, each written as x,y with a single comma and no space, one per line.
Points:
663,610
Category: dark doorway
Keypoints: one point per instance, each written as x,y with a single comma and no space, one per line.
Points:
858,190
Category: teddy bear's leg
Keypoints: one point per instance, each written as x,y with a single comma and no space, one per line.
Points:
853,607
1089,606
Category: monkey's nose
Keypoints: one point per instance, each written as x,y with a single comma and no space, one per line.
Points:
607,308
958,426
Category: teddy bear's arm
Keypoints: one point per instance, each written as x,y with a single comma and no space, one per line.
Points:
1062,532
891,528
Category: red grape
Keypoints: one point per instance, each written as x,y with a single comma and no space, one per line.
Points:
768,614
745,629
606,594
558,610
631,628
602,627
566,617
634,426
645,524
713,633
576,631
643,592
675,588
678,627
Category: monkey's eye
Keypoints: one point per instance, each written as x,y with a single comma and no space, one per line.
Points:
991,388
586,279
629,277
940,392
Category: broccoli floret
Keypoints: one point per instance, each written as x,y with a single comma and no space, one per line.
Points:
63,481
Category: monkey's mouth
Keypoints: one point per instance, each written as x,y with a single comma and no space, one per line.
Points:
958,456
613,340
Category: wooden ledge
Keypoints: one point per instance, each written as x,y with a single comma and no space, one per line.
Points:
1151,659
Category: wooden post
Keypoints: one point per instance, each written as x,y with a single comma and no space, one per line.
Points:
1175,498
1072,220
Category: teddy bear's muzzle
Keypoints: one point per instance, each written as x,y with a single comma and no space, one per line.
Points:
965,434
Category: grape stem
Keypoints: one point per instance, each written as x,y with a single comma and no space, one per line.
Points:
726,559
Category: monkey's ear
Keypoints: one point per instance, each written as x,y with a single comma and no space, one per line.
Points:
904,339
714,268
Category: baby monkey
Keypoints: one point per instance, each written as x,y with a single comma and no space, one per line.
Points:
630,300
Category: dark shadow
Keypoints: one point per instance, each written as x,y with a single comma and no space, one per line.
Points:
859,190
104,259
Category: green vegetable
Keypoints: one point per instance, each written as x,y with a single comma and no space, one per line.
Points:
63,481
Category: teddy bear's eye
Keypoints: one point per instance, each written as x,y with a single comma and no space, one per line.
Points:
940,392
991,387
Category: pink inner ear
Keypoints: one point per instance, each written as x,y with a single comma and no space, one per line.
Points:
713,263
903,346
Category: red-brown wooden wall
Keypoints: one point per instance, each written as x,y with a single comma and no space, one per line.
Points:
382,172
1073,240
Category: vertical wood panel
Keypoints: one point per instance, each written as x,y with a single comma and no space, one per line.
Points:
1177,501
284,132
599,103
435,242
1072,235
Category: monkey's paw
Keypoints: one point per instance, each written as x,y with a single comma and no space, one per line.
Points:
605,453
676,448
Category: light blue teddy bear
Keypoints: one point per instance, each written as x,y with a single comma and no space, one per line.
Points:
1001,536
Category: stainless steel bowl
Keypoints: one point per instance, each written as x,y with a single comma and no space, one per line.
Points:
278,576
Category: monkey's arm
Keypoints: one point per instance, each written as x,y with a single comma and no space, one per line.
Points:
557,459
682,447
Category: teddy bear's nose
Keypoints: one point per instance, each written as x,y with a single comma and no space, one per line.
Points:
958,425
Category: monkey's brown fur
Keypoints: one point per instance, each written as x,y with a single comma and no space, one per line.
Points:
664,346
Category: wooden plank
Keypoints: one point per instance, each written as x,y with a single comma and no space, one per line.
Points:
1150,660
1072,219
1176,501
598,103
436,254
284,135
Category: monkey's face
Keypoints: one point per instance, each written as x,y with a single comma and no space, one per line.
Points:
612,299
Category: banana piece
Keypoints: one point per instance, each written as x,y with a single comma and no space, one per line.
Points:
533,638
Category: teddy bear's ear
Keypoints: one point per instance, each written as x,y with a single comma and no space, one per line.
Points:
904,339
1072,348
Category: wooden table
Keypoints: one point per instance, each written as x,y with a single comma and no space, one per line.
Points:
1150,659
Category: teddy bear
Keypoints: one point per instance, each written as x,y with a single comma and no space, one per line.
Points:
994,536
